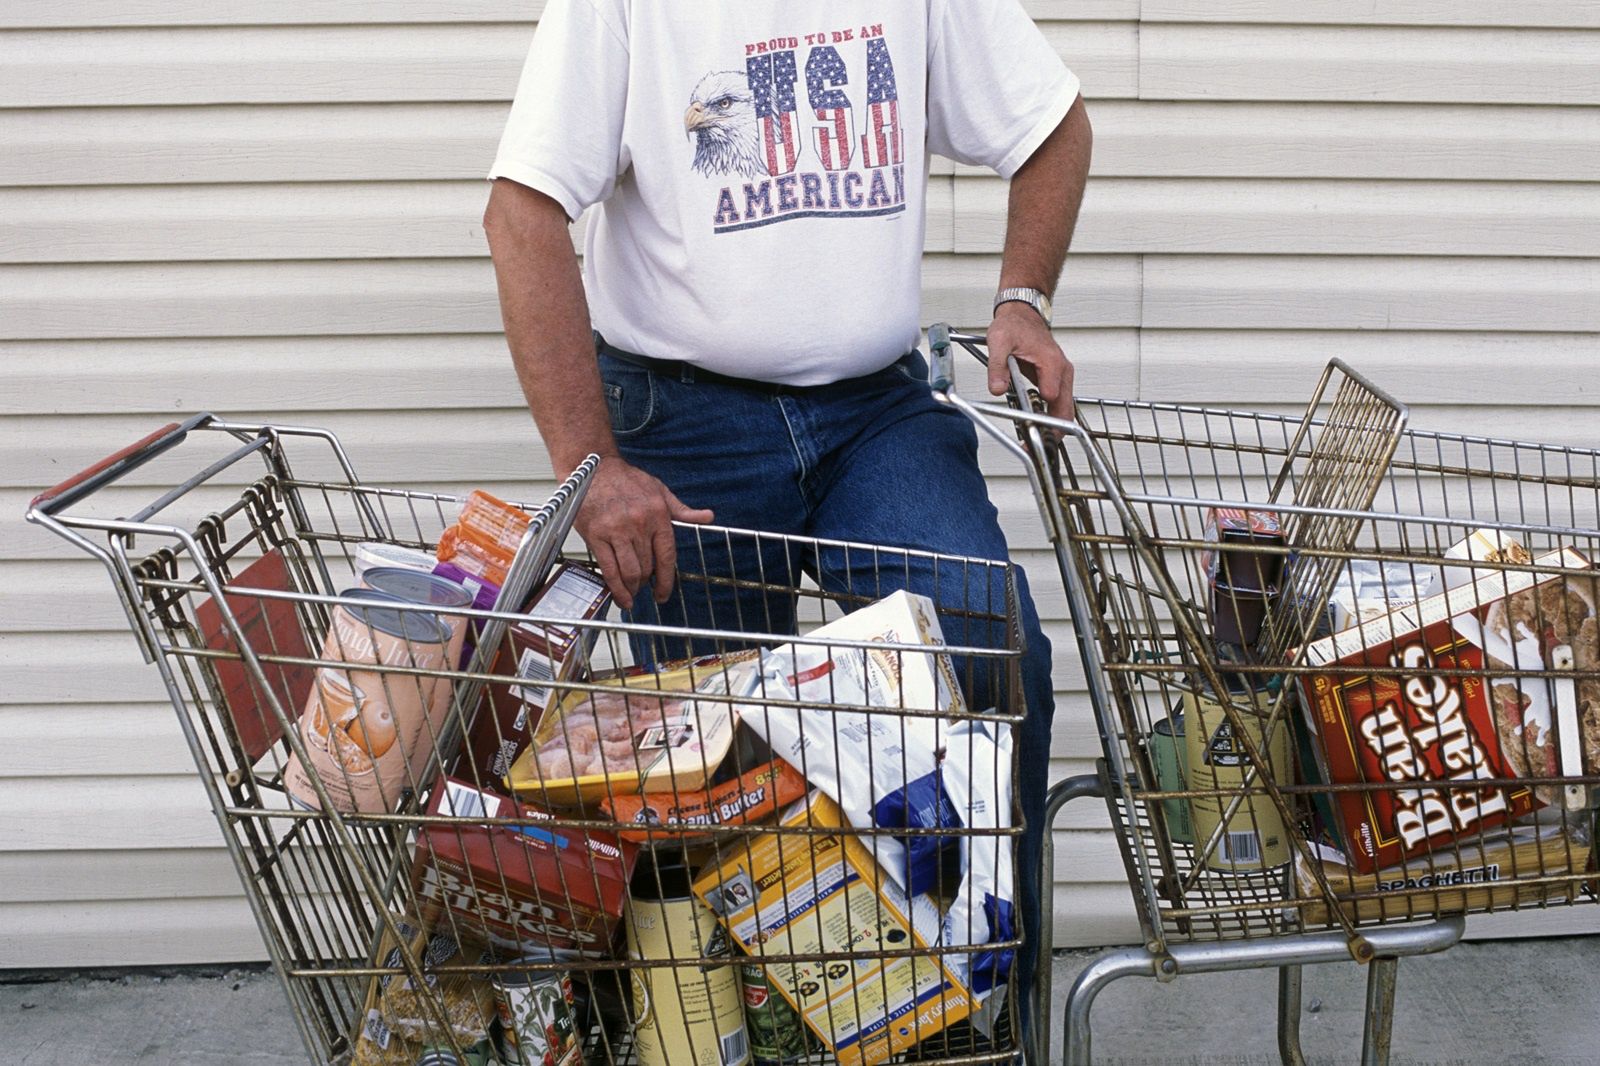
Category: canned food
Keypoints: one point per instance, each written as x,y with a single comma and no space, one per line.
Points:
684,1015
1255,837
1172,771
361,725
777,1036
536,1019
479,1054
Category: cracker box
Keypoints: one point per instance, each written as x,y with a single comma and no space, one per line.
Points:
541,654
1435,735
825,895
521,888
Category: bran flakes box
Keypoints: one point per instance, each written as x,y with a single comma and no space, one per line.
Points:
1435,735
825,895
521,888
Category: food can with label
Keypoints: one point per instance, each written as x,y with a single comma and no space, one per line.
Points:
536,1019
1255,837
1170,759
688,1015
777,1035
361,725
479,1054
430,590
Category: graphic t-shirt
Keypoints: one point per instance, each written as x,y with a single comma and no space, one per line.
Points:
761,166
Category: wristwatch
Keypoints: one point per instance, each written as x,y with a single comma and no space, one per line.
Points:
1032,297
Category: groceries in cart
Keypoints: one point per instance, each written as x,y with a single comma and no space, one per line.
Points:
542,655
1449,718
1243,569
520,887
825,895
664,732
365,723
401,1017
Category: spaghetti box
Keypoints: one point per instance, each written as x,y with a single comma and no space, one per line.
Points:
541,654
521,888
824,894
1431,734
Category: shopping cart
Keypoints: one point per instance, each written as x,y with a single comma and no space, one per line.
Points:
1435,758
405,897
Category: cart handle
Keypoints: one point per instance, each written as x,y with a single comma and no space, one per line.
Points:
94,478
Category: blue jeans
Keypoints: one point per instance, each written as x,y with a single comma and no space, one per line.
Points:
872,460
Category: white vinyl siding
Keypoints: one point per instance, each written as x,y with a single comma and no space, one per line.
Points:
271,208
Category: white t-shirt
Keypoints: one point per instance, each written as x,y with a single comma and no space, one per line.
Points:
761,165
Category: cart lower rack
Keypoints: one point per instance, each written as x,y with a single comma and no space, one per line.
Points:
1346,674
483,820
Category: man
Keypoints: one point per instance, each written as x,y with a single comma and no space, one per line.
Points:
752,282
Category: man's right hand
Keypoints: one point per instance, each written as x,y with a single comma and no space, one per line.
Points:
626,519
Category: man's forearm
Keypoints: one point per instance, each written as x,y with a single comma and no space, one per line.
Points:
1045,195
547,323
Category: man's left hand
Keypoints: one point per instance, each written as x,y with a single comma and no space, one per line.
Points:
1019,332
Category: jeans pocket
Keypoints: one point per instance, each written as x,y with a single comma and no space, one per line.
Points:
630,396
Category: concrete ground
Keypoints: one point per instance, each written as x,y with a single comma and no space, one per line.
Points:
1532,1003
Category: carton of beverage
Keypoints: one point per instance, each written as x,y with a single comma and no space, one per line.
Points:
805,894
521,888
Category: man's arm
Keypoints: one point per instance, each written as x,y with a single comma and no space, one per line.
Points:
1045,195
627,515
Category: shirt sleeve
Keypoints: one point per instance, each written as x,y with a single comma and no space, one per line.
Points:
996,88
564,135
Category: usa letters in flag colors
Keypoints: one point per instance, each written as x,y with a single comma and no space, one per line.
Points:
810,128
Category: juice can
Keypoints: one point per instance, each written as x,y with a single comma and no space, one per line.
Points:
777,1036
361,723
1255,837
684,1015
536,1019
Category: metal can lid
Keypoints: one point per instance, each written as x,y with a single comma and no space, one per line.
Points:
416,626
417,587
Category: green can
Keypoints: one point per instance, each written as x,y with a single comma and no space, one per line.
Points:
479,1054
777,1035
1172,773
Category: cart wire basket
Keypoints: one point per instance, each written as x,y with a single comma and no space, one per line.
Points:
1345,673
769,818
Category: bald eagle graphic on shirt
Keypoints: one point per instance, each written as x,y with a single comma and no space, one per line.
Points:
802,132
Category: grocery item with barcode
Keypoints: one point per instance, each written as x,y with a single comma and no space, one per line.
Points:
551,647
517,887
809,894
880,766
1254,836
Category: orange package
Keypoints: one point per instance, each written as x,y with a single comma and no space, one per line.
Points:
485,537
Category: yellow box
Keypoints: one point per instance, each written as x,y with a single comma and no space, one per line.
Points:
798,894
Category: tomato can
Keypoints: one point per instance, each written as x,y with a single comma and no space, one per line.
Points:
536,1019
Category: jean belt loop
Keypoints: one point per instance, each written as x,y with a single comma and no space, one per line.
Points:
687,374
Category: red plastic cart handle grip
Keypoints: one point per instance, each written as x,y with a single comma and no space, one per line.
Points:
114,465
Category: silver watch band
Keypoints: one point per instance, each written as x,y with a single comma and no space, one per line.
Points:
1032,297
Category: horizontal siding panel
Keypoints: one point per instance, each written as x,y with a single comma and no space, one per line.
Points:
128,933
394,220
22,14
82,301
1553,13
321,375
379,63
435,141
376,220
1285,292
1491,371
1484,66
1277,217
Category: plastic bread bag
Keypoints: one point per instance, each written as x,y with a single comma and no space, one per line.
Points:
977,779
880,766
